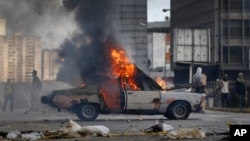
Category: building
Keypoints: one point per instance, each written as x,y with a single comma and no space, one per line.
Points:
128,14
158,43
50,63
19,57
159,49
2,27
229,24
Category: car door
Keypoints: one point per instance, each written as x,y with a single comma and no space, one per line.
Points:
142,100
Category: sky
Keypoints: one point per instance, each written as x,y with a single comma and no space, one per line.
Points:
155,12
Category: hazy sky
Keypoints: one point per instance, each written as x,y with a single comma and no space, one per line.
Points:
155,12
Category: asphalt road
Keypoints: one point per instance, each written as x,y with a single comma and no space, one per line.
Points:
213,122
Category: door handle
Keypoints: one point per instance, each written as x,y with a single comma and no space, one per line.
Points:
130,93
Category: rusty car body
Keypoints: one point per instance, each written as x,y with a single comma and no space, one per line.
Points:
116,97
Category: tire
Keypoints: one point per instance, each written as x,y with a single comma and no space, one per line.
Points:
168,115
46,99
87,111
178,110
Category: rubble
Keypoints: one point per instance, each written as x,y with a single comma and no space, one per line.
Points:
25,135
13,134
159,126
96,130
180,133
186,133
74,130
32,136
70,128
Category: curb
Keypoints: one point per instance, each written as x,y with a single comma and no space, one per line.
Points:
235,110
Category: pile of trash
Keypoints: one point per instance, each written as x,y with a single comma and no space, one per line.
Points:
180,133
70,130
24,135
186,133
74,130
159,126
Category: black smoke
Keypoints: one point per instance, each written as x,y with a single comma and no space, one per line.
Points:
94,17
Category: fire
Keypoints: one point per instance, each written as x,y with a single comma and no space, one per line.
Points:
161,82
121,66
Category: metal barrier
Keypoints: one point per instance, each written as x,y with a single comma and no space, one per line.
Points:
215,94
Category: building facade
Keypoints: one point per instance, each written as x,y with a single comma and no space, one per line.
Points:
128,14
19,57
229,25
50,63
2,27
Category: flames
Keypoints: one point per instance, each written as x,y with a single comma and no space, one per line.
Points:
161,82
121,65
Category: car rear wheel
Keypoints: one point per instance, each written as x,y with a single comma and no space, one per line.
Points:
178,110
87,111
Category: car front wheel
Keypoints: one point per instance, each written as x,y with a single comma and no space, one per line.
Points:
87,111
179,110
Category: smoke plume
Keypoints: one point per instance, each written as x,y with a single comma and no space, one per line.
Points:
94,17
47,19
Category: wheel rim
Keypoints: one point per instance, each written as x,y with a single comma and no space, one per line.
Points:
180,110
88,111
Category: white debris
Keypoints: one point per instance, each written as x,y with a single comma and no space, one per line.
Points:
186,133
33,136
159,126
167,127
17,135
96,130
73,129
13,134
70,128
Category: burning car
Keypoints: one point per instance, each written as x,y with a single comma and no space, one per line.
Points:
119,96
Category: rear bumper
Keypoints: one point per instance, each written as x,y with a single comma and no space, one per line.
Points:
46,99
199,107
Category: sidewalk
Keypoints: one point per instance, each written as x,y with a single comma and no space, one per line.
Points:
236,110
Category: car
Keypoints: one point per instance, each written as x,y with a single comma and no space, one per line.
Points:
117,97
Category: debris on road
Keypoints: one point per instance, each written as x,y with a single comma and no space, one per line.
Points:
140,117
13,134
25,135
96,130
33,136
159,126
70,128
186,133
74,130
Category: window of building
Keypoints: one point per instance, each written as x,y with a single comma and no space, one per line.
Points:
247,5
232,55
236,54
246,28
225,55
225,27
236,5
225,4
236,28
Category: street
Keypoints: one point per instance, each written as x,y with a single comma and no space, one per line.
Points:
210,122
